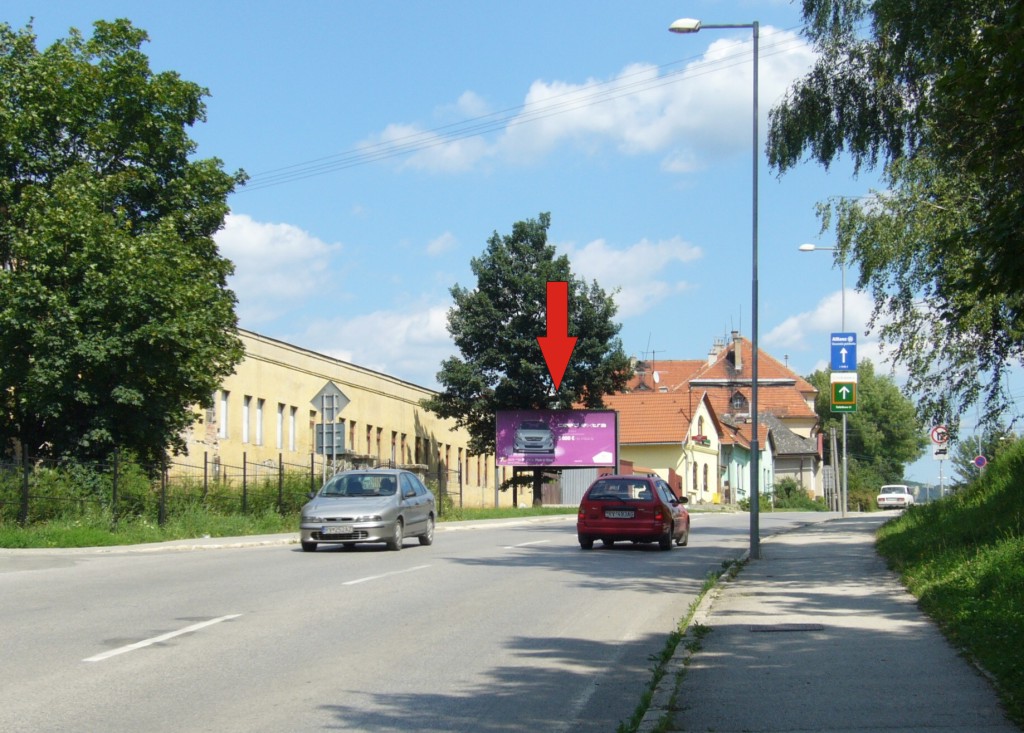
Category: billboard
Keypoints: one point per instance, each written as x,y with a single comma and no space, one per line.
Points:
557,438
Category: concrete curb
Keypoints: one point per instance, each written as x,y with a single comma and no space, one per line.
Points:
664,694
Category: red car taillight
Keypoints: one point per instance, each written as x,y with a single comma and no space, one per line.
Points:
659,515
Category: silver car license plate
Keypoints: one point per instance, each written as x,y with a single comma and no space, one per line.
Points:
337,529
618,514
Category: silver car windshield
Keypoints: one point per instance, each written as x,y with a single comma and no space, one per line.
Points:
360,485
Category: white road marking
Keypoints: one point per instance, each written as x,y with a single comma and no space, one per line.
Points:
385,575
526,544
158,639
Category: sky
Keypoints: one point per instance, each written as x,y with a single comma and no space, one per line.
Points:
387,140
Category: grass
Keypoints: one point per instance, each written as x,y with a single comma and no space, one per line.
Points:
963,558
94,528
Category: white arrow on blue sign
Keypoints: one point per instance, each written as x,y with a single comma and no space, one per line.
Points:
844,352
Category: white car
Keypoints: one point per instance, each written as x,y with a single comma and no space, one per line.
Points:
895,496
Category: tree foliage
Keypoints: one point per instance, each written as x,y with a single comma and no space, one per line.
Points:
932,92
495,326
115,317
883,435
992,443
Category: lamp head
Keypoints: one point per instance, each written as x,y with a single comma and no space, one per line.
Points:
685,25
807,248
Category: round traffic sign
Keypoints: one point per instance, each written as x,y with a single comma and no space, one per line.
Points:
980,461
940,434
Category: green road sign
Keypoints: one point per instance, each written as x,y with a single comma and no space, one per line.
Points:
844,396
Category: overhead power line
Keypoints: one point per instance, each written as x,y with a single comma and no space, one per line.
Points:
584,97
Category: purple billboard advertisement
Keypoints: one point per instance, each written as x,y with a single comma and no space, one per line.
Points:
557,438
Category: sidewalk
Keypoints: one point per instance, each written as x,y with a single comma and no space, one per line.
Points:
818,635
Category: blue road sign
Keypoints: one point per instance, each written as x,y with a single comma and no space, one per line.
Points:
844,352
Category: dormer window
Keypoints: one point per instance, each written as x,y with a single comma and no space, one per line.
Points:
738,403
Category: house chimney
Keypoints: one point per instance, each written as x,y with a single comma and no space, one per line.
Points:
737,351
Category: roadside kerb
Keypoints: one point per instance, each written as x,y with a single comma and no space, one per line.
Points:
660,709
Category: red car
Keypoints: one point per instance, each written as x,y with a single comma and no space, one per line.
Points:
634,509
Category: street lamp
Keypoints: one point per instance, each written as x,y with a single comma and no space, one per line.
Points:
691,25
842,269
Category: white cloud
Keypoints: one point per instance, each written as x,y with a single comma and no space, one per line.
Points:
439,245
409,344
702,110
805,337
639,271
426,149
277,266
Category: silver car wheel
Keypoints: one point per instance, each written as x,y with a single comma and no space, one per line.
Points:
395,543
427,538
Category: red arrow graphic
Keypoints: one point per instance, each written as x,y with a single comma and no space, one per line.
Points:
558,345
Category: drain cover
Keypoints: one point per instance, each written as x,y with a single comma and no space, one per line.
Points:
788,627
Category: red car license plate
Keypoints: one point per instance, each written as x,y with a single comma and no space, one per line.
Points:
618,514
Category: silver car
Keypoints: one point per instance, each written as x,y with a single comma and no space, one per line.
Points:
533,436
369,505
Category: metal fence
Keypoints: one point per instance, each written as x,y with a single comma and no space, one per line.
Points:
38,489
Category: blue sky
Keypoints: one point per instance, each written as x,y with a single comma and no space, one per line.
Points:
387,140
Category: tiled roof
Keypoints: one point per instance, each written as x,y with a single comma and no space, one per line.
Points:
661,412
651,417
785,441
671,373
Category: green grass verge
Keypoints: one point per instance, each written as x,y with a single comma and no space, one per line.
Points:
963,557
94,529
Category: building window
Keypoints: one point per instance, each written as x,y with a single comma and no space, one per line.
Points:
246,404
280,425
292,415
369,436
704,489
259,421
222,428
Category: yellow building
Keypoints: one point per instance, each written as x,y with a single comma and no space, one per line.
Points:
268,414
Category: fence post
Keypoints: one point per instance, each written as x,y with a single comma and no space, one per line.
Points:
312,471
245,488
113,490
206,474
280,483
162,513
23,508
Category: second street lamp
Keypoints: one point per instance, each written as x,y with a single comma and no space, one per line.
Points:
691,25
842,327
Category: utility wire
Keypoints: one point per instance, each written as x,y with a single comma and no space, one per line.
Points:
569,101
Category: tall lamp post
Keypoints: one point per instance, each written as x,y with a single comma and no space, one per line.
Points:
691,25
842,269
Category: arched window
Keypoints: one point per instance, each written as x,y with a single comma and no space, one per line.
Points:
695,485
700,425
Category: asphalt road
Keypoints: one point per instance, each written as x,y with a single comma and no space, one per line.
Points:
496,627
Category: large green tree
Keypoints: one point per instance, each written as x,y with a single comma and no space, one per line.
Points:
883,436
931,92
495,326
115,316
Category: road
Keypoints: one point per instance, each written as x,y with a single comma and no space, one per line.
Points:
501,626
